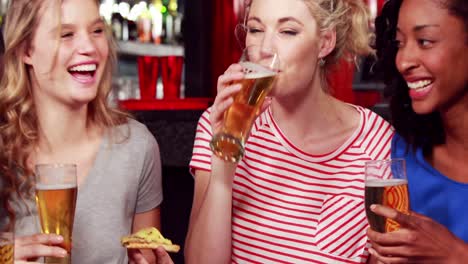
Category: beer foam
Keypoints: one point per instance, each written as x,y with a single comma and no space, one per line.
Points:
46,187
385,182
255,71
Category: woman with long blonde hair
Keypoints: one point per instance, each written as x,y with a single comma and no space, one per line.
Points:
59,60
297,195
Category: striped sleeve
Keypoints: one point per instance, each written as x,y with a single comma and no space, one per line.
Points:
201,154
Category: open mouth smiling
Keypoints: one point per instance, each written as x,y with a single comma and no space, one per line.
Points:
83,72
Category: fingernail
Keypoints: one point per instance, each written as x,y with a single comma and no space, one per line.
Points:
371,251
58,238
63,253
372,207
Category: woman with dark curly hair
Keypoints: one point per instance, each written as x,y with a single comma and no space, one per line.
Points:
422,49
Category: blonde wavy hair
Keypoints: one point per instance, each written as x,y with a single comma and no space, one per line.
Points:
349,18
19,126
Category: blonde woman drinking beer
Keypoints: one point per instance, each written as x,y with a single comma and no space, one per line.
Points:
53,109
425,66
297,195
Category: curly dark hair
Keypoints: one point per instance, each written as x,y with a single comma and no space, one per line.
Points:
419,131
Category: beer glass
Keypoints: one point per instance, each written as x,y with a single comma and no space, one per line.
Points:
56,191
386,184
7,241
260,67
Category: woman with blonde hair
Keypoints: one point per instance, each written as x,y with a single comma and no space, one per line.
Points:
297,195
53,109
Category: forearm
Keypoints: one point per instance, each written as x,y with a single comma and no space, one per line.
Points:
209,240
147,219
209,237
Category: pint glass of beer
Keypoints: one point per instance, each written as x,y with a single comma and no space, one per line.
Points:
260,67
7,241
386,184
56,191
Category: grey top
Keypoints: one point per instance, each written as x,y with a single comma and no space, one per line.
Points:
125,179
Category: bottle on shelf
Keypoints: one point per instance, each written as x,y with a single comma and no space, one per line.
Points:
157,21
169,25
124,10
116,22
178,27
121,26
132,30
144,23
173,23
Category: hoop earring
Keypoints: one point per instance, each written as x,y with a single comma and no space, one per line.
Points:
321,62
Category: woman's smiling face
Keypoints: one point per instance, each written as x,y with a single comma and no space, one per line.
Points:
432,55
67,60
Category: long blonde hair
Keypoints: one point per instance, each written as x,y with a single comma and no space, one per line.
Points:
19,126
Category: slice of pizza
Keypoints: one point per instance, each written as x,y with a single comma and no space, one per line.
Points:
149,237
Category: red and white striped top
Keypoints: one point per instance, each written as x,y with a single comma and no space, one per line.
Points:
293,207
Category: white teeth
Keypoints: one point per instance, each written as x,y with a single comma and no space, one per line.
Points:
84,67
419,84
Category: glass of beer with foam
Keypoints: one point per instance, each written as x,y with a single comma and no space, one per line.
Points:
56,192
260,66
7,240
386,184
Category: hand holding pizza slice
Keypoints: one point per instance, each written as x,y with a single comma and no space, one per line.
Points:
149,237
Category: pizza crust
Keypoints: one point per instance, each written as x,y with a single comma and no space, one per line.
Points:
149,237
142,245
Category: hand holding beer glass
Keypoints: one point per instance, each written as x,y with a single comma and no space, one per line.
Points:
56,192
260,67
386,184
